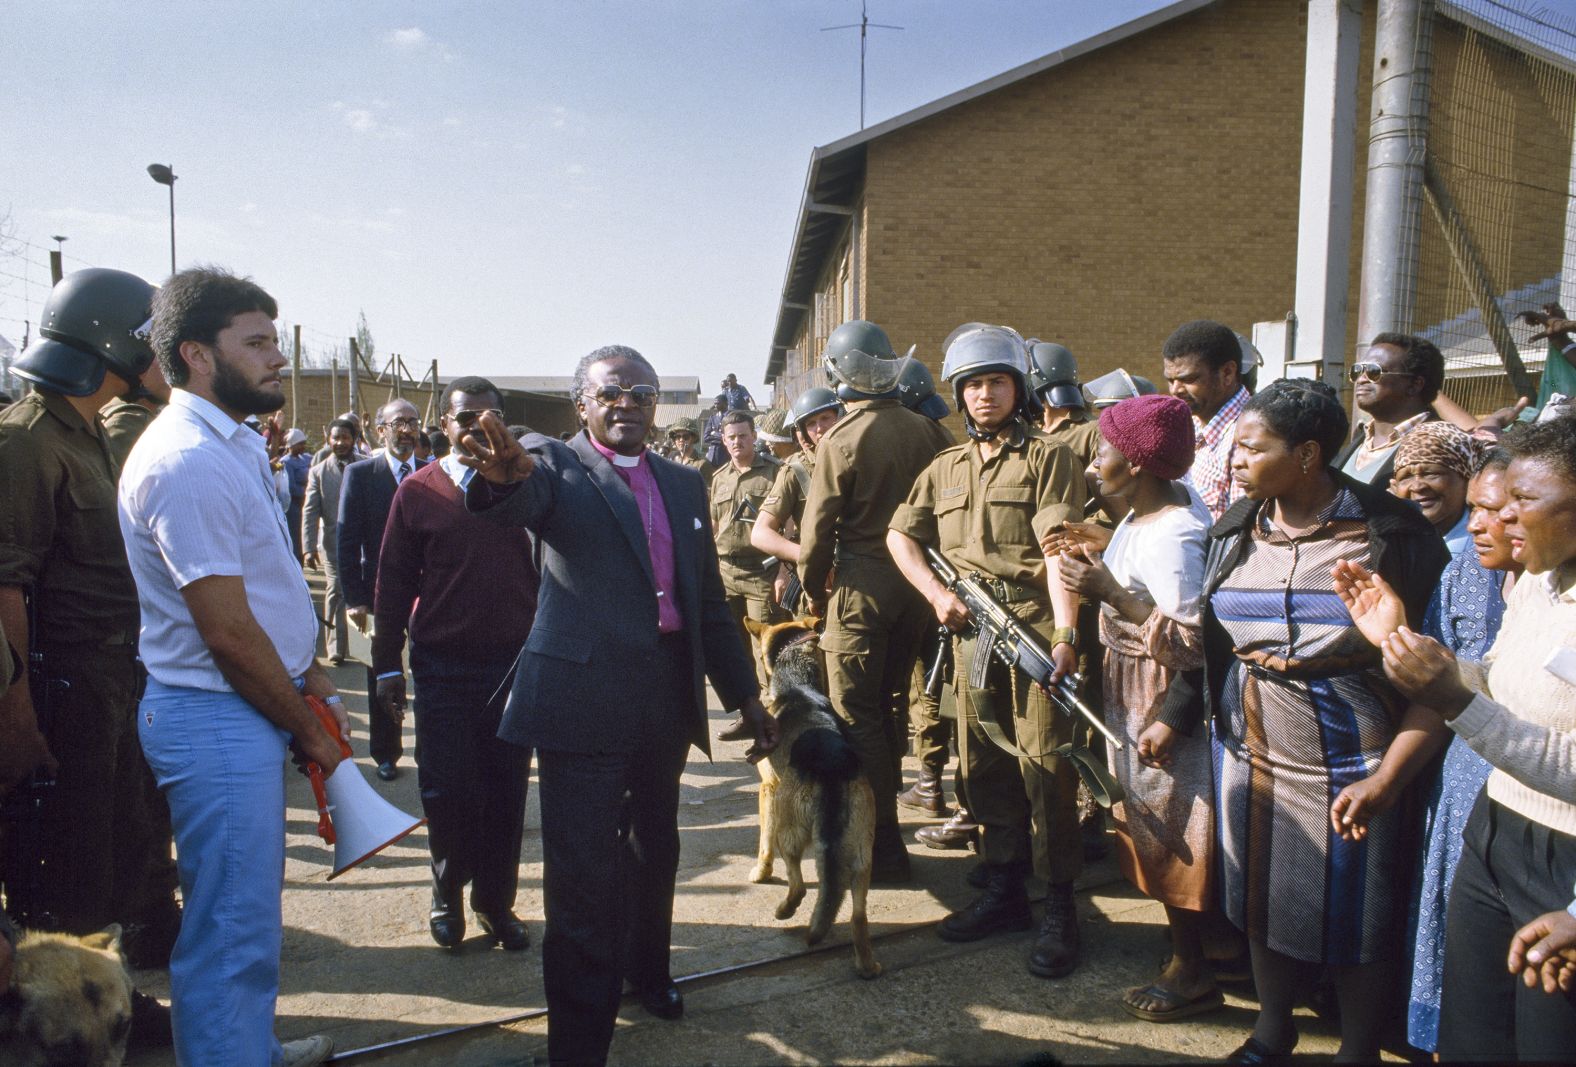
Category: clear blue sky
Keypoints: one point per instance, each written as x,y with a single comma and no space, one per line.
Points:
501,185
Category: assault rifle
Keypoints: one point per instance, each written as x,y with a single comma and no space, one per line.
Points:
793,592
1002,637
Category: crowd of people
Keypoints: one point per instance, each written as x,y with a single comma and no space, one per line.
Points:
1341,663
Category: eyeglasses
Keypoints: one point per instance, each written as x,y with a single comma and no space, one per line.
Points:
402,424
466,418
644,396
1373,372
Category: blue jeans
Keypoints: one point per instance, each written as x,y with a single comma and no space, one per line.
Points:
220,763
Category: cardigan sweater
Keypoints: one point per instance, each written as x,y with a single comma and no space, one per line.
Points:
1527,727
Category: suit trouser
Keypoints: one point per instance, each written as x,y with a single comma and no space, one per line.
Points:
874,627
337,638
473,784
610,853
92,832
221,764
1512,870
1027,809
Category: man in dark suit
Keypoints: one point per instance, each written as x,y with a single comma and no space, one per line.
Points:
364,502
609,688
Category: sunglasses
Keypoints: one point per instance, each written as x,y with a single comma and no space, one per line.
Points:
644,396
465,418
1373,372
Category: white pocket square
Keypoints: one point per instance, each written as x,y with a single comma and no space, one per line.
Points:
697,524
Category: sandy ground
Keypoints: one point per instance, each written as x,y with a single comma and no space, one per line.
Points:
358,962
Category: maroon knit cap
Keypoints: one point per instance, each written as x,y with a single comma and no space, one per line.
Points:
1154,432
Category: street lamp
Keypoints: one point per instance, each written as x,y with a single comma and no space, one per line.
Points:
166,176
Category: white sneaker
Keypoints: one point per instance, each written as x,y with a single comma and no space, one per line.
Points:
309,1051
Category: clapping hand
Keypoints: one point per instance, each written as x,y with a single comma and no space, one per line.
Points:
1067,536
1375,607
502,460
1085,573
1425,671
1545,949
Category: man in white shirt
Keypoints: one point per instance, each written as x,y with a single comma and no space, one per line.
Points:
228,633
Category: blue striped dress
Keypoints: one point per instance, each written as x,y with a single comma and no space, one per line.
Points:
1306,712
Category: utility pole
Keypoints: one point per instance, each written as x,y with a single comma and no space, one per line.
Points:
333,384
295,379
355,378
57,267
863,26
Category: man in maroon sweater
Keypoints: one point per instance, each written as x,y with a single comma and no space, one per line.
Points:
472,585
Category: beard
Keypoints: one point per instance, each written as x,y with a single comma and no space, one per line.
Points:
236,393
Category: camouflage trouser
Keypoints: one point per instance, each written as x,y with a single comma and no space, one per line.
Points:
875,622
1027,808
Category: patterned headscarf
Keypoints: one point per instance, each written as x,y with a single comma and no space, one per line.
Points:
1440,444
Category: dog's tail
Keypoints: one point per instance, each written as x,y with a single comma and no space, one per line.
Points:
825,757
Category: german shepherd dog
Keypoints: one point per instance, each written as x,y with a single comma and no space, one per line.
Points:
813,790
69,1002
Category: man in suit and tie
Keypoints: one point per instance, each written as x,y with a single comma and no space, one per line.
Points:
609,689
364,502
320,529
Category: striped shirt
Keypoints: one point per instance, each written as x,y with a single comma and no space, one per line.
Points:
1213,444
196,500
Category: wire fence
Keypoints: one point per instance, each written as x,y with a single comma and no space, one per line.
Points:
1498,207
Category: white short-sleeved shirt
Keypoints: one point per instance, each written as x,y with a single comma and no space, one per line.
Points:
1163,557
196,500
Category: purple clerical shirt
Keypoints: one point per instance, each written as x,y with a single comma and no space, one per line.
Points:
659,534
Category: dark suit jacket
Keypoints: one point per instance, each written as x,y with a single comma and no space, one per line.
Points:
577,684
364,502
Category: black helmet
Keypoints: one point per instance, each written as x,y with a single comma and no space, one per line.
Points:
1053,375
95,320
859,357
818,398
977,347
916,389
1119,385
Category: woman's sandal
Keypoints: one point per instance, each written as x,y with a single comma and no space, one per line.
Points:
1176,1007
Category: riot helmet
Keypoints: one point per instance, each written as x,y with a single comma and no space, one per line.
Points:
1053,375
95,320
916,390
860,359
813,400
1116,386
976,348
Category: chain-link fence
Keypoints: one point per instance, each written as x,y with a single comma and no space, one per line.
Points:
1498,225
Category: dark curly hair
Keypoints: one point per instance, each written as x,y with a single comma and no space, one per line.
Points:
1419,358
1302,409
195,305
1552,442
1215,344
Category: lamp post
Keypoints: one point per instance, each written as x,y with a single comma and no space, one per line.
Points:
166,176
57,268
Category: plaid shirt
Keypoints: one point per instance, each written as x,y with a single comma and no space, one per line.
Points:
1211,473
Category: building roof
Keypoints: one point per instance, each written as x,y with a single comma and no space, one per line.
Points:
837,169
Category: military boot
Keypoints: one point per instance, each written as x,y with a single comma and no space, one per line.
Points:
1002,906
1055,951
925,794
960,831
889,857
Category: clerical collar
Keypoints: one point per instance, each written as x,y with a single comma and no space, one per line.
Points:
617,459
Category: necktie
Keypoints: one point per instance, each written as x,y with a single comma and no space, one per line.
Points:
404,469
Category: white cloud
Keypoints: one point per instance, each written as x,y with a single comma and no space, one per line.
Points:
368,121
576,169
414,39
248,208
360,120
452,120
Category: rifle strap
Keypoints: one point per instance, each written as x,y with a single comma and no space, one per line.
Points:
1105,789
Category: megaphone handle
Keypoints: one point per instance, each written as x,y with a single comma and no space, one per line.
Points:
325,825
331,724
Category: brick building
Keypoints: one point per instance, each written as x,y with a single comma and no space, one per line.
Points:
1103,194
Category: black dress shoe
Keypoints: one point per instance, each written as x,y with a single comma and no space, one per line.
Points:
448,928
505,928
737,730
663,1000
388,771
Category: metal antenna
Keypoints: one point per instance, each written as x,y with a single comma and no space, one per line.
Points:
863,26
